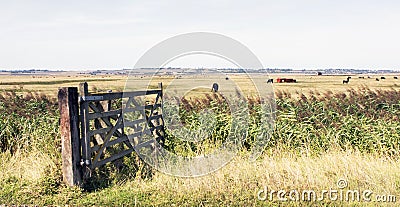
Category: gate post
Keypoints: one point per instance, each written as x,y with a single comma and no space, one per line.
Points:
85,139
70,141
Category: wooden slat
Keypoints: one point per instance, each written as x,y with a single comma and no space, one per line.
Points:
123,139
152,110
139,121
102,106
140,133
109,130
146,131
128,103
108,123
155,106
114,157
155,117
93,107
140,93
105,119
119,125
137,105
118,95
105,130
106,140
97,115
85,139
137,134
99,131
140,108
111,143
133,109
133,123
145,144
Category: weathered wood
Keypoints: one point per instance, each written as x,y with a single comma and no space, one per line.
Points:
134,122
70,143
99,131
117,95
111,143
104,114
83,151
98,137
85,139
107,121
149,143
154,117
141,108
161,132
108,131
152,110
104,108
106,140
115,157
145,131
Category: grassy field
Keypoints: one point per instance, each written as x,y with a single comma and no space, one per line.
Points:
47,84
325,131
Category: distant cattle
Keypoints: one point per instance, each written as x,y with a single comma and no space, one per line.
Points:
383,78
319,73
226,78
395,77
270,80
362,77
214,87
369,76
377,79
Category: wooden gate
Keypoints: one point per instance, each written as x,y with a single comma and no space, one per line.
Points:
104,127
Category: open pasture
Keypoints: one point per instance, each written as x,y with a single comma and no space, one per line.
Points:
351,134
48,84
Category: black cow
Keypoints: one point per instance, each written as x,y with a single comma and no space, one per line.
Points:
347,80
270,80
214,87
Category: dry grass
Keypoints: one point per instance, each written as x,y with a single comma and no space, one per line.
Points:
29,167
238,183
305,83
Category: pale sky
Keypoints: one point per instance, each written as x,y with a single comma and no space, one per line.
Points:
308,34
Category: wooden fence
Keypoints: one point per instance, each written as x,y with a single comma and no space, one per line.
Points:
104,127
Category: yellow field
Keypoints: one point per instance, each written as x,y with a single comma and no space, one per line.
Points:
99,83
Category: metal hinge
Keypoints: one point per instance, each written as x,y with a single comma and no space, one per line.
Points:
90,98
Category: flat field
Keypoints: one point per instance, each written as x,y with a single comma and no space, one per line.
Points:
339,141
99,83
